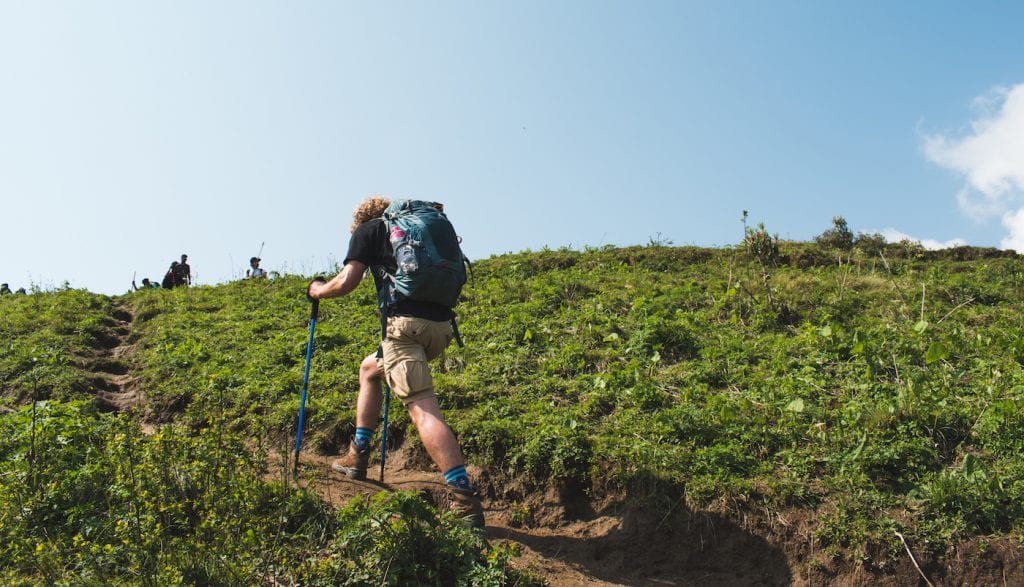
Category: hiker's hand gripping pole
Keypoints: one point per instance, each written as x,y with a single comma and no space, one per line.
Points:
314,310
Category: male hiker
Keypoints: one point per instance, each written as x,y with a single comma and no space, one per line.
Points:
184,275
416,332
254,269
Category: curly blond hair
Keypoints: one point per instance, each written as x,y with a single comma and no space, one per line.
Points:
368,209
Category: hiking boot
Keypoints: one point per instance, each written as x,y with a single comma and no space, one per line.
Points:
466,503
354,464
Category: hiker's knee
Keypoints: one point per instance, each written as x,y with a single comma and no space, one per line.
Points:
425,412
369,369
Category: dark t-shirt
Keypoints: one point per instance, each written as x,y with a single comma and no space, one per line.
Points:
183,274
370,246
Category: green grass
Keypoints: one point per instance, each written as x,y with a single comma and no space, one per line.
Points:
883,392
43,335
90,499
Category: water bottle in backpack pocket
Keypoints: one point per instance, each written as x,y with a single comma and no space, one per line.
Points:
405,251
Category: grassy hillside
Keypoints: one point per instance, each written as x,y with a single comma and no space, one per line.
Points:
882,394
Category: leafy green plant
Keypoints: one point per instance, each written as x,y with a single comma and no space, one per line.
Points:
870,244
761,245
89,497
838,237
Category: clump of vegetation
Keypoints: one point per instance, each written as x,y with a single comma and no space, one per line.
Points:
870,244
760,244
838,237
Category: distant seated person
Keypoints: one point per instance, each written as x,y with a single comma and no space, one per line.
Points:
21,291
254,268
146,284
184,272
4,289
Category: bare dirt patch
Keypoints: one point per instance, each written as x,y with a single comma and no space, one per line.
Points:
112,384
624,545
629,547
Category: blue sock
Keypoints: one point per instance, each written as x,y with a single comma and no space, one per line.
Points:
363,437
457,477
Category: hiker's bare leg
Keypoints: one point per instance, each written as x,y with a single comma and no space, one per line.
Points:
369,403
437,437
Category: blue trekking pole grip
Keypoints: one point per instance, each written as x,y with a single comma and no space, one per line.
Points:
305,385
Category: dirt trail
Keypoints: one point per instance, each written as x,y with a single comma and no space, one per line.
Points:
113,384
572,540
337,489
603,549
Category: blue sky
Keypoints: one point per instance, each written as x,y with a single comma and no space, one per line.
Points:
131,132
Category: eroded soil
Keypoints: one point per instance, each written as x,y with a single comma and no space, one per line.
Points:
615,545
110,364
607,545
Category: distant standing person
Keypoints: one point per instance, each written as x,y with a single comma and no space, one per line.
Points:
254,268
414,332
4,289
184,272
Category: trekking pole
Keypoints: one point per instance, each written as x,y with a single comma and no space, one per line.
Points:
305,385
384,430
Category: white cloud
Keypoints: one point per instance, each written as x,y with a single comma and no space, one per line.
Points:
1014,223
990,156
894,236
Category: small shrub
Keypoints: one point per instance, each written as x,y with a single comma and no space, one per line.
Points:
838,237
869,244
973,495
556,452
906,249
762,246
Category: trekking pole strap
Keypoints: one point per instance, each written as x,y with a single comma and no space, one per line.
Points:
455,332
383,329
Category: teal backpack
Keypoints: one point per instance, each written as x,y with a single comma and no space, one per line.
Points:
431,266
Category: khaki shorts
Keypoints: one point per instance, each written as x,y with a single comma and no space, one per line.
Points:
410,344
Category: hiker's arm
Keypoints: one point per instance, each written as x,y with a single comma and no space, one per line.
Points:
343,283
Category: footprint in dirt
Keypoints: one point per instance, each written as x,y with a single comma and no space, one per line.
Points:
112,383
337,489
